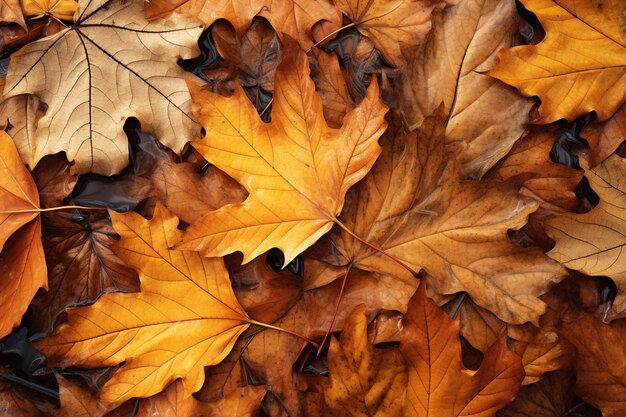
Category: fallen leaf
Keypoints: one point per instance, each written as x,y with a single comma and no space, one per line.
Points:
468,34
594,242
10,11
331,85
605,137
439,384
600,364
586,76
78,400
363,381
294,18
185,315
60,9
109,42
17,401
415,207
296,168
394,26
243,402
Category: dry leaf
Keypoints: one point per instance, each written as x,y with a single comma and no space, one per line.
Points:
414,206
77,400
22,258
605,137
600,363
331,85
439,384
587,75
364,381
593,242
394,26
17,401
109,42
468,34
186,316
60,9
296,168
10,11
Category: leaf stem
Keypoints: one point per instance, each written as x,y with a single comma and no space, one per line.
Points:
267,106
376,248
332,322
280,329
44,210
334,32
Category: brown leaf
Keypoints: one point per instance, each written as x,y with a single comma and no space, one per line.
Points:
485,113
600,363
16,401
588,76
84,115
364,381
439,384
10,11
186,316
59,9
78,401
394,26
296,168
414,206
594,242
331,85
605,137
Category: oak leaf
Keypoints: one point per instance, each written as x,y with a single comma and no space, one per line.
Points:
439,384
21,257
77,400
605,137
296,168
594,242
60,9
468,34
587,75
600,362
415,207
186,316
363,381
394,26
109,42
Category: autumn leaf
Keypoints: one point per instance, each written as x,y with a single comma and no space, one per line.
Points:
415,207
294,18
60,9
594,242
363,381
586,75
77,400
394,26
469,34
185,315
605,137
296,168
600,363
331,86
439,384
17,401
10,11
109,42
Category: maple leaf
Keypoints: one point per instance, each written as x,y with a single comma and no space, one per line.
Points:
594,242
296,168
292,17
415,207
363,380
185,317
394,26
604,138
331,86
110,43
60,9
600,363
22,258
439,385
468,34
586,75
10,11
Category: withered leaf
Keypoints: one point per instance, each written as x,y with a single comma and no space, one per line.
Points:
605,137
415,207
587,76
439,384
60,9
468,34
10,11
296,168
363,381
109,42
186,315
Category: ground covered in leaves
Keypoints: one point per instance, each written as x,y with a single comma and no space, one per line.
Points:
313,208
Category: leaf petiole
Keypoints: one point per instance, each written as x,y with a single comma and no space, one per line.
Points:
44,210
280,329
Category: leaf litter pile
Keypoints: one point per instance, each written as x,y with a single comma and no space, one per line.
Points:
313,208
